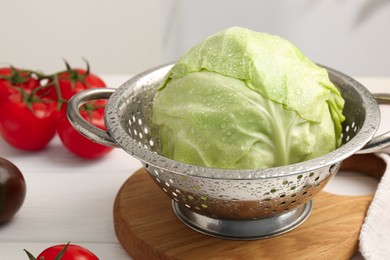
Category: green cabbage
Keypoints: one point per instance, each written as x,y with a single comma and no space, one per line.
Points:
243,99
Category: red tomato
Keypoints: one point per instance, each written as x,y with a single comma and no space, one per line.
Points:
10,78
72,252
25,128
12,190
73,81
77,143
69,83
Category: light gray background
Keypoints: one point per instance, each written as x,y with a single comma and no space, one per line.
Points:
129,36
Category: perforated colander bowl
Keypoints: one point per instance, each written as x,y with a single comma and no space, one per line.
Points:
232,204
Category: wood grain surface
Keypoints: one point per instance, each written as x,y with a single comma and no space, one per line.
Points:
147,228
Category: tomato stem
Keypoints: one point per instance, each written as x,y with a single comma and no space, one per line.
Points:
90,107
60,100
30,256
62,253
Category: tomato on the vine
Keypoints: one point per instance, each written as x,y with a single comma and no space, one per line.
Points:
28,125
81,80
78,144
32,104
64,252
12,190
70,82
12,78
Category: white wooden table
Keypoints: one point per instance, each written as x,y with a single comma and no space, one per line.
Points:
71,199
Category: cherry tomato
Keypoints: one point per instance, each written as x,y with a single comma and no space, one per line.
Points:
11,78
12,190
28,128
65,252
77,143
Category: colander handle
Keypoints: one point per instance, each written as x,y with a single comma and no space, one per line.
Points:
382,141
83,126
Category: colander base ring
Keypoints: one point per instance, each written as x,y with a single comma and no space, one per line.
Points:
244,229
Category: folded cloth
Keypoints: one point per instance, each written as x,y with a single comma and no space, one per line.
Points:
374,240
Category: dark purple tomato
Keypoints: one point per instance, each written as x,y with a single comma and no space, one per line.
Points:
12,190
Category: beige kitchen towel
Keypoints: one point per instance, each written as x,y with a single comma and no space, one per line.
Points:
374,240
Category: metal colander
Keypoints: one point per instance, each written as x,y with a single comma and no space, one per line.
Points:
232,204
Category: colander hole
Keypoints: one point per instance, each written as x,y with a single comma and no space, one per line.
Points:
141,135
355,129
174,194
204,206
311,174
293,187
293,195
130,123
348,137
151,143
293,201
146,130
299,176
156,172
282,203
167,184
347,128
332,168
133,118
178,191
135,132
158,180
283,195
273,190
139,121
316,179
171,181
165,190
304,193
353,124
188,206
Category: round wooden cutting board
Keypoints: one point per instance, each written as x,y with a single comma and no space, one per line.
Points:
147,227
